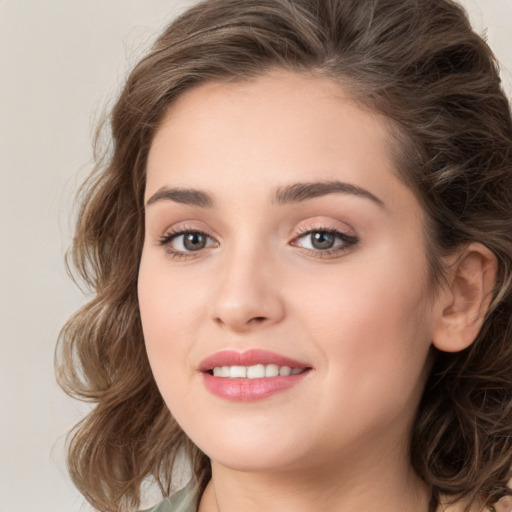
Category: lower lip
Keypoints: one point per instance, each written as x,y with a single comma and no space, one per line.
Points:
247,390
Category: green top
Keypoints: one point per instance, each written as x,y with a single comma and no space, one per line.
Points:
182,501
185,500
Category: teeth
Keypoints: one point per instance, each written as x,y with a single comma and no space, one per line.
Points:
238,372
257,371
284,371
271,370
221,371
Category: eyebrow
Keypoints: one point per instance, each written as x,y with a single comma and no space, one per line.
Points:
182,195
303,191
284,195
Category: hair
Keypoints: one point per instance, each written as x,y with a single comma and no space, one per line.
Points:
417,62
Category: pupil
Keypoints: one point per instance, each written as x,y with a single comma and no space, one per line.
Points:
322,240
194,241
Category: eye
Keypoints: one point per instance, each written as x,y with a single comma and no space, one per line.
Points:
325,241
183,242
321,240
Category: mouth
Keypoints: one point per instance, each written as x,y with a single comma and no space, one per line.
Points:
251,364
250,375
257,371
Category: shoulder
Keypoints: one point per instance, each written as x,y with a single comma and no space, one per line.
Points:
504,505
184,500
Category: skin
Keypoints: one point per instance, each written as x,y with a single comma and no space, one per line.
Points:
360,316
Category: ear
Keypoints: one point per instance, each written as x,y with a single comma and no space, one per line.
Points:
465,298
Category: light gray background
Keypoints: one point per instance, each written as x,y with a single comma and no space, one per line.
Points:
61,62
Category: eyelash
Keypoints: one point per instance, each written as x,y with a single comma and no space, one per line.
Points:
349,241
168,237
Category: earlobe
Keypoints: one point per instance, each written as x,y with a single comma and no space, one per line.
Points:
465,299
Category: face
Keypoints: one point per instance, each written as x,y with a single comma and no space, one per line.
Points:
283,283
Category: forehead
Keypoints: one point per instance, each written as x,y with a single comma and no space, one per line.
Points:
275,104
270,131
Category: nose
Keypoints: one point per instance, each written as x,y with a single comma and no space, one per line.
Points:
247,295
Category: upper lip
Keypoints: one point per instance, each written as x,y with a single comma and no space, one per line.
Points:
247,358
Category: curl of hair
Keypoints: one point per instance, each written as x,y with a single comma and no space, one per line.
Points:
417,62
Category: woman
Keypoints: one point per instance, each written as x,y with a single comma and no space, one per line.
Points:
301,255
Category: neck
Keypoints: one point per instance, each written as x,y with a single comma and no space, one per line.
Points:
384,486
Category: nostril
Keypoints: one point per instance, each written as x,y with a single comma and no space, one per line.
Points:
258,319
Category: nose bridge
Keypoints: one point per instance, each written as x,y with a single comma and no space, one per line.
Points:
246,294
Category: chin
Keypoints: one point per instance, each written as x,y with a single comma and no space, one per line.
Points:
253,461
260,452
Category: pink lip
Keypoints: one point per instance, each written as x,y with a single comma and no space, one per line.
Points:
245,390
247,358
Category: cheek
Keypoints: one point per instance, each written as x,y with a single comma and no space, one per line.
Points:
169,312
169,301
371,322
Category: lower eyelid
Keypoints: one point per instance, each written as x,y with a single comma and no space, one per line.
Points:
345,242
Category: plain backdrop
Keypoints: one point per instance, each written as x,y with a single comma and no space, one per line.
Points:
61,64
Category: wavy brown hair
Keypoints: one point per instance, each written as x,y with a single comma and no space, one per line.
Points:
416,61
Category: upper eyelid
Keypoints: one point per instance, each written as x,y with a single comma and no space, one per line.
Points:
168,235
308,230
184,227
301,228
347,238
305,230
299,231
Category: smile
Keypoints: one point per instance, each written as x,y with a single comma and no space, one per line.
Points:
251,375
257,371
